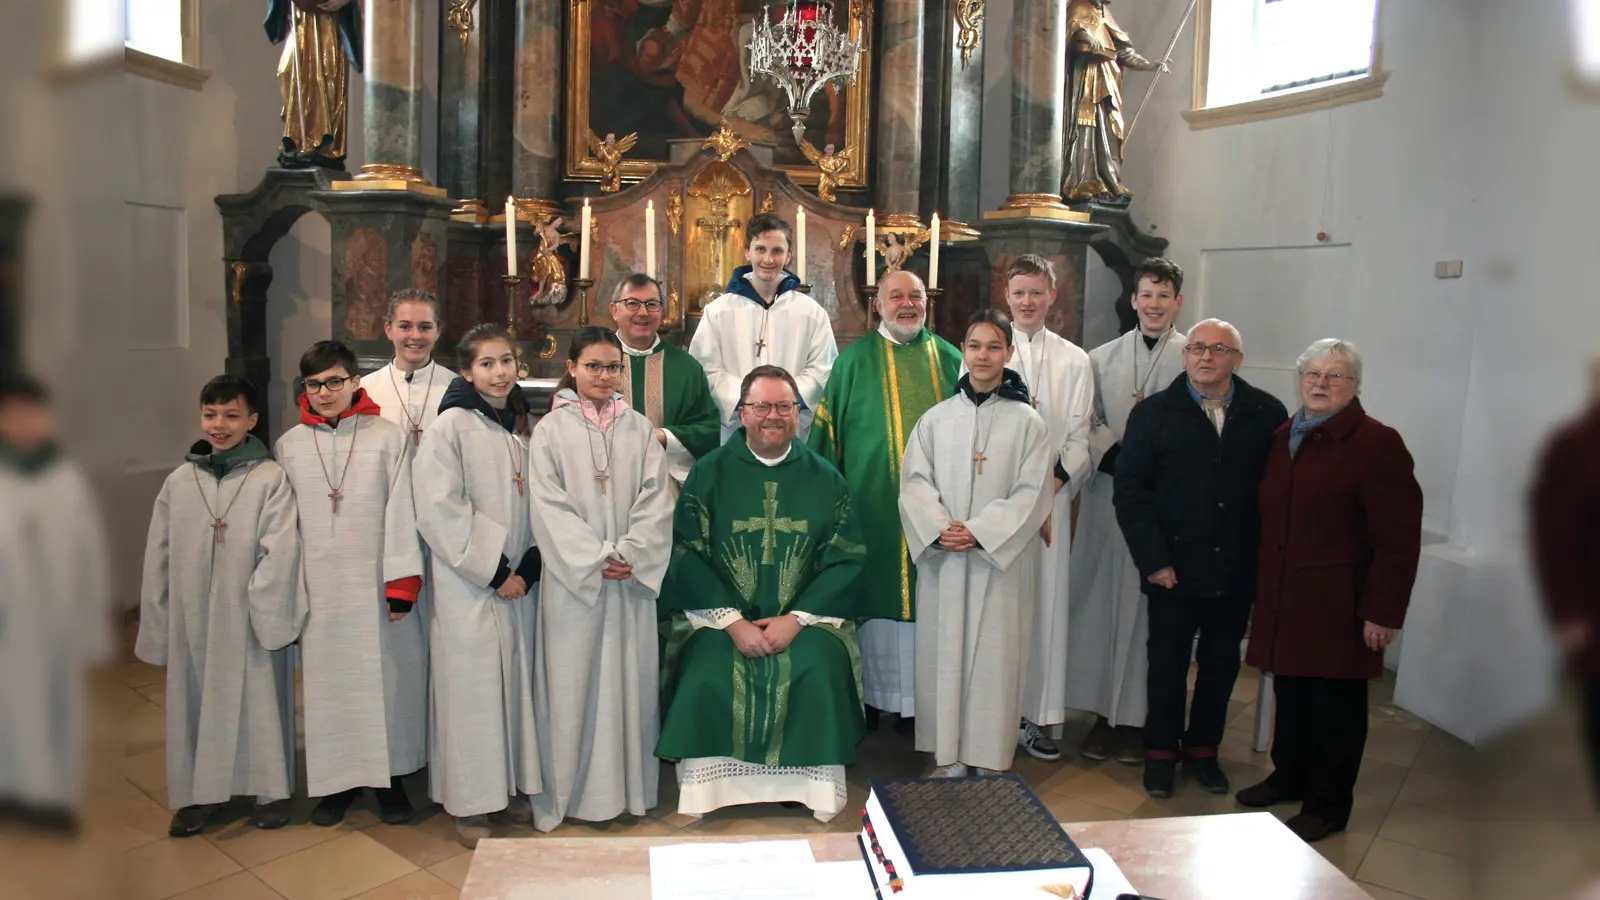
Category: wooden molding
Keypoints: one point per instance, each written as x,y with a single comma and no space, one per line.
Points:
138,62
1355,90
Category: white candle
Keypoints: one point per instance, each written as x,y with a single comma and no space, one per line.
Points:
511,237
583,241
933,252
650,238
800,244
872,249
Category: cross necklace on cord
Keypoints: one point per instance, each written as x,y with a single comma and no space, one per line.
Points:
761,339
602,471
516,467
1155,359
336,491
219,522
405,408
977,429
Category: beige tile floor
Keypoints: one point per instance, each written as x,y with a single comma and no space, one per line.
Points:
1409,837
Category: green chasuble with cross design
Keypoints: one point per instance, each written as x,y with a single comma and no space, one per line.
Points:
876,393
765,541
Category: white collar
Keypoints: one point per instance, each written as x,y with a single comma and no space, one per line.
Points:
769,463
1020,337
427,367
632,352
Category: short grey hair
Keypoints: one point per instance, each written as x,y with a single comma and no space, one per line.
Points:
637,280
1238,339
1331,347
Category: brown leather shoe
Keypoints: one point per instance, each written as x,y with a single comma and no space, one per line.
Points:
1129,743
1262,795
1097,743
472,829
1311,828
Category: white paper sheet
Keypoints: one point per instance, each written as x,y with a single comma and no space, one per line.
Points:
756,870
847,880
1108,879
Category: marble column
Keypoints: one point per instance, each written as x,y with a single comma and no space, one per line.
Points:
392,91
536,101
952,115
1038,93
899,151
462,95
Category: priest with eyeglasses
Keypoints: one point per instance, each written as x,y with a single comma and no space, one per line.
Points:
660,380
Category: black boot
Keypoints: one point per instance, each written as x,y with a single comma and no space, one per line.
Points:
1159,775
331,809
393,804
272,815
1207,773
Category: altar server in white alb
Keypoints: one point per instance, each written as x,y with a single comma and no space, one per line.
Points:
602,514
363,653
764,320
470,480
55,611
221,600
973,498
1109,623
1060,382
409,388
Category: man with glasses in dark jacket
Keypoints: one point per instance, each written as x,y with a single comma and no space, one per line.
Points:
1186,481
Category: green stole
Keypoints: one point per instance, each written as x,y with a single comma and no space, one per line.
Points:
875,394
669,388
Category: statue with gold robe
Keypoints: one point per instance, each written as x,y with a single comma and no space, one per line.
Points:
1097,51
321,40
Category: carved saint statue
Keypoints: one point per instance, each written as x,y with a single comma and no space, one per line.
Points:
548,270
609,152
831,165
321,40
896,250
1097,51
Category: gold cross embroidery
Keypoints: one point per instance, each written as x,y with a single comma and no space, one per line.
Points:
770,525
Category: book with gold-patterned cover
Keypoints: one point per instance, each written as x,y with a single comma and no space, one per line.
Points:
985,836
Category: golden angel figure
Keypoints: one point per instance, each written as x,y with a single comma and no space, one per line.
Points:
548,271
322,39
831,165
609,152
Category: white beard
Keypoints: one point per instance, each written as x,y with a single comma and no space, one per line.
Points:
901,333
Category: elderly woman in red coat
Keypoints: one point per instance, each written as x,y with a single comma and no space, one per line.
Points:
1341,532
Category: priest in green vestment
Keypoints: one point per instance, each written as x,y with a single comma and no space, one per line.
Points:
662,381
880,386
760,687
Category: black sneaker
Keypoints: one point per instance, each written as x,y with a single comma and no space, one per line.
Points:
1097,743
1159,775
188,821
1208,774
272,815
331,809
1032,739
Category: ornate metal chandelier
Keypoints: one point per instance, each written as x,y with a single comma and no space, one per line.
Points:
802,52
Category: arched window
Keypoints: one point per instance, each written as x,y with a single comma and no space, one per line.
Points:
1263,58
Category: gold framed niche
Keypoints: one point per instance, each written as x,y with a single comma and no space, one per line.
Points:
582,165
718,201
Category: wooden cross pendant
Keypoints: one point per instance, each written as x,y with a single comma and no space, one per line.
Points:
1035,402
416,435
336,496
217,527
978,455
519,480
1138,396
761,345
601,477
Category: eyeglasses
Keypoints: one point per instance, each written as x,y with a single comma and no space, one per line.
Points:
595,368
762,410
634,305
1335,379
1216,349
333,385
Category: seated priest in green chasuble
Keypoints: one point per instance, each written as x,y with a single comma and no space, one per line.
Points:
760,678
661,381
880,386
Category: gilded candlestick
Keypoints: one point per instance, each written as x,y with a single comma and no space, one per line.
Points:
933,298
583,285
511,282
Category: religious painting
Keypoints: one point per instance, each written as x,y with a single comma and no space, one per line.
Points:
672,69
